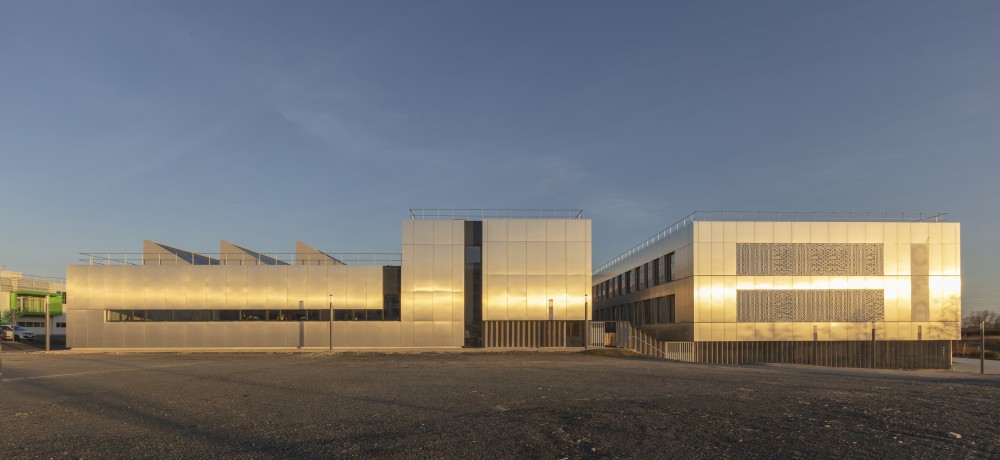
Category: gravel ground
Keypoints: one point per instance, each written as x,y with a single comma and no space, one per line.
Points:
510,405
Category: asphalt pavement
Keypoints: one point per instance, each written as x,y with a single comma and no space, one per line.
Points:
481,405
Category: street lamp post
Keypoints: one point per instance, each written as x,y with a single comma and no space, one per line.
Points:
47,320
330,304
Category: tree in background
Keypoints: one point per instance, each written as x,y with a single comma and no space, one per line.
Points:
972,320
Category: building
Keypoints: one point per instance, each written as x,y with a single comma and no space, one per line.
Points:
23,297
464,278
838,289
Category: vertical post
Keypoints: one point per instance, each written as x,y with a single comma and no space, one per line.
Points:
47,321
873,345
815,339
330,296
982,347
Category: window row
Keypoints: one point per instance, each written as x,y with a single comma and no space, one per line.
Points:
116,316
660,310
645,276
38,324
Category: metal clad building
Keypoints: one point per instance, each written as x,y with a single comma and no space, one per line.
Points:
812,288
464,278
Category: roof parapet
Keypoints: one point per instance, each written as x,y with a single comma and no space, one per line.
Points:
485,214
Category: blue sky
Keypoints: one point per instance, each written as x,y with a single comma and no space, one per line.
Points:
264,122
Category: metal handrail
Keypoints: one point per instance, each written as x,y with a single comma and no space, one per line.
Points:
47,279
650,343
237,258
645,244
776,216
487,213
820,216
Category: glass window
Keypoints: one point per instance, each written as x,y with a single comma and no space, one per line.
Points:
317,315
227,315
374,315
184,315
252,315
665,309
159,315
670,266
119,315
473,255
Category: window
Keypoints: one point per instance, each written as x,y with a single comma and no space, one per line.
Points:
159,315
665,309
669,267
185,315
391,307
227,315
60,324
119,315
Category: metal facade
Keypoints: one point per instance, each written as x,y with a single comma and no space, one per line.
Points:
917,273
536,270
432,284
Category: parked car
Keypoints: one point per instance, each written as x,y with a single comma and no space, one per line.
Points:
20,333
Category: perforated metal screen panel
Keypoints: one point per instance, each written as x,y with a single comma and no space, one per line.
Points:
818,259
791,305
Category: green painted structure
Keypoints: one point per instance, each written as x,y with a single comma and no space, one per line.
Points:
38,308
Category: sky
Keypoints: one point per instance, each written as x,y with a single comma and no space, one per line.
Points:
264,122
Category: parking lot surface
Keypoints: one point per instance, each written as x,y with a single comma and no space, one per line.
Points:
479,405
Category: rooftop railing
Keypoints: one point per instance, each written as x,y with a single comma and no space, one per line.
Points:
819,216
484,214
776,216
19,276
277,259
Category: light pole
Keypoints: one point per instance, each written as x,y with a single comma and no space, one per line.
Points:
330,304
47,322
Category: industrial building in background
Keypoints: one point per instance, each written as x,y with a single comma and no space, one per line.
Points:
835,289
23,298
464,278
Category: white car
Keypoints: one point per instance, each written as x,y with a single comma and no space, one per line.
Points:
20,333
